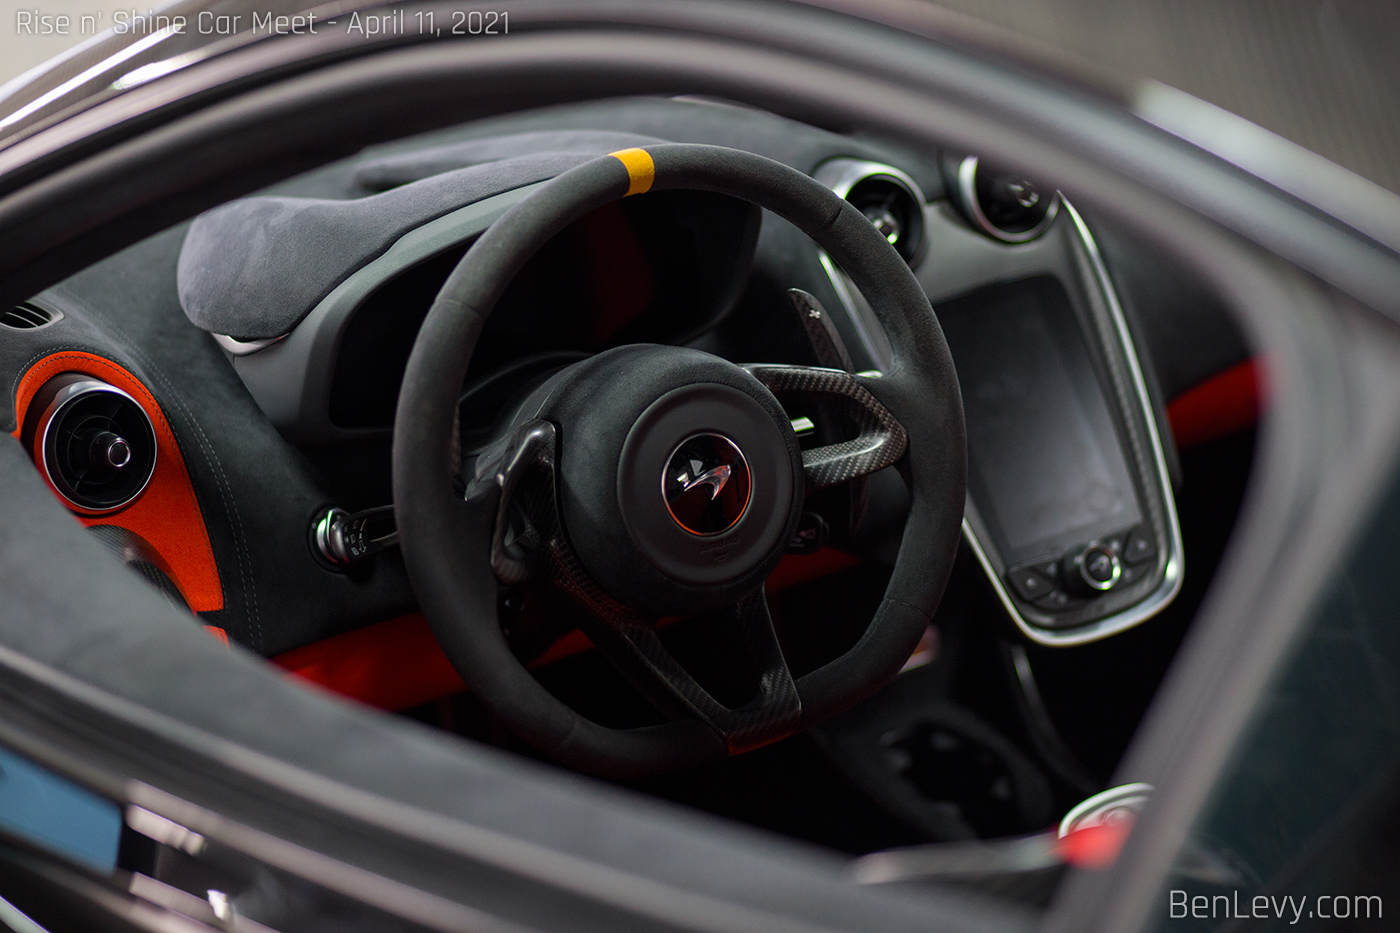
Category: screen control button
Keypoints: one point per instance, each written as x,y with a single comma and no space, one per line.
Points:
1059,601
1029,583
1094,569
1142,545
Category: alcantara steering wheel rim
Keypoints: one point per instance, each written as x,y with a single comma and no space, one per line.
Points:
451,543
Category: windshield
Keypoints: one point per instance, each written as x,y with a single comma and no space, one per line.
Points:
59,57
1319,75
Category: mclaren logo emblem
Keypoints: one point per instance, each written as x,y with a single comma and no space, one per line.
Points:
706,484
716,478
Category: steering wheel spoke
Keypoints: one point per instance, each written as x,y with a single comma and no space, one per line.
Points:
633,646
514,479
781,707
880,442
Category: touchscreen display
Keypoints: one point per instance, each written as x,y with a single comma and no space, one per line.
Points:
1047,468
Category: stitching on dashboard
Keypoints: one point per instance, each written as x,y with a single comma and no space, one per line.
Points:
240,537
226,500
241,551
100,362
27,365
244,557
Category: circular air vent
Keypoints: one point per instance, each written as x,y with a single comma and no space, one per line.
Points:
1004,204
886,196
93,441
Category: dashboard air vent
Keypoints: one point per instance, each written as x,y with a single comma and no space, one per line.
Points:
1004,204
886,196
27,317
93,441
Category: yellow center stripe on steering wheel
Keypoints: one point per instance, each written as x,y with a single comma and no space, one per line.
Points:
640,169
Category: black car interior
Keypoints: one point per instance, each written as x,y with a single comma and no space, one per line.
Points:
1024,614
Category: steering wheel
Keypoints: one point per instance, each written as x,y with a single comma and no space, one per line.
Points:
653,481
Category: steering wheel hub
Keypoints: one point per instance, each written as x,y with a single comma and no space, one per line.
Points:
706,484
679,476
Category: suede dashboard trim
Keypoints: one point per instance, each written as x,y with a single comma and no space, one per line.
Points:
166,514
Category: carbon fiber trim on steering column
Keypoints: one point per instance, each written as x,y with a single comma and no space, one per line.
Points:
882,439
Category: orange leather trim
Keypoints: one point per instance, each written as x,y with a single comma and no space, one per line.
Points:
393,665
166,515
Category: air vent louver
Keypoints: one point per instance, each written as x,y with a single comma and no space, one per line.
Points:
27,317
1003,204
894,210
888,198
94,442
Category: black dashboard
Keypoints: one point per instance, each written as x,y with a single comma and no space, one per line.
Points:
286,410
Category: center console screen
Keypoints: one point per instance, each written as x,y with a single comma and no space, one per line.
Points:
1047,469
